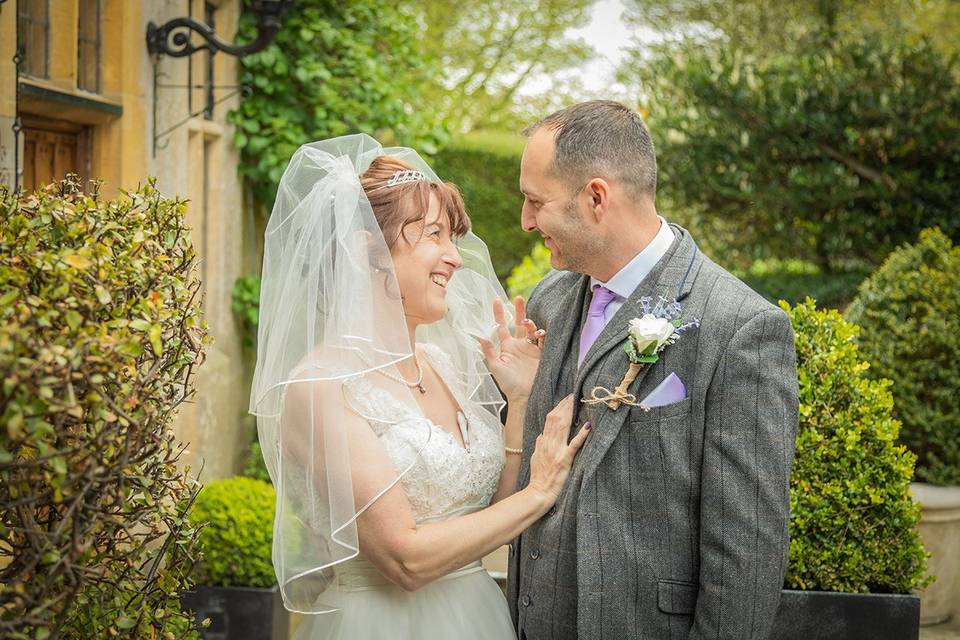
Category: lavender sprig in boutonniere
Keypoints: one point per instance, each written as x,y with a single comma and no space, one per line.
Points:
648,335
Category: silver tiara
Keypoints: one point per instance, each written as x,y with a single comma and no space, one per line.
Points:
403,176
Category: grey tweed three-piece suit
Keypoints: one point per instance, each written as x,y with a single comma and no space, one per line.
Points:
673,523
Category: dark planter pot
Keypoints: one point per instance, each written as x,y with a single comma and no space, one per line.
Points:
238,613
822,615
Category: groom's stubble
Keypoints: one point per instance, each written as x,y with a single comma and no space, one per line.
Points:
578,246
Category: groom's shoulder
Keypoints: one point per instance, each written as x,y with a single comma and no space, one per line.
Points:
554,282
728,295
548,293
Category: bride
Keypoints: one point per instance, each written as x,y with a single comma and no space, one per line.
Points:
377,414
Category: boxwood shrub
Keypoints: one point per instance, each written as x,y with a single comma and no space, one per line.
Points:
909,309
236,520
100,333
853,520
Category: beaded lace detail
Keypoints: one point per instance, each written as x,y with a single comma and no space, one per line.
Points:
445,478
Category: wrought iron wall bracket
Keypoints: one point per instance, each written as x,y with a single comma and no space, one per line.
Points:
173,38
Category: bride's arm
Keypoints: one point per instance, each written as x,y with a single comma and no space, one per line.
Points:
514,365
512,439
411,555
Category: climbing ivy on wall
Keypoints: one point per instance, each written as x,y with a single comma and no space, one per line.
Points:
334,68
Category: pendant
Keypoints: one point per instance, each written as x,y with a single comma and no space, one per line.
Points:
420,386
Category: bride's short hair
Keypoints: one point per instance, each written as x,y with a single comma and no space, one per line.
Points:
399,205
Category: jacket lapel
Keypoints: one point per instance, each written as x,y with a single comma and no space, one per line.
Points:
672,278
560,338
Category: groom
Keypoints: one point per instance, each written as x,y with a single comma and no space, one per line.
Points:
673,523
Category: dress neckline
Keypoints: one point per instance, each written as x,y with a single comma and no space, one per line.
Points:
404,410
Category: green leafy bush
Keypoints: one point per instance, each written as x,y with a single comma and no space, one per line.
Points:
489,181
100,333
245,302
795,280
852,518
255,467
236,516
528,273
334,68
910,313
835,152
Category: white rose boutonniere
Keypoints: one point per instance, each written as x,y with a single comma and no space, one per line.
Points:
647,336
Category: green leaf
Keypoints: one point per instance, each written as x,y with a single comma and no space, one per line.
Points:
73,319
155,339
103,295
125,622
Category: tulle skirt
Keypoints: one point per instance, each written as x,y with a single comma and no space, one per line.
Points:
466,605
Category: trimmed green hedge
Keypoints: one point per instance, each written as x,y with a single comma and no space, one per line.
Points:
795,280
489,181
910,313
852,518
237,519
101,332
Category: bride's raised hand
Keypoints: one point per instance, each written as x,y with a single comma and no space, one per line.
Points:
514,363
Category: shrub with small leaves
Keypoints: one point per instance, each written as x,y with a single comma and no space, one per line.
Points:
236,516
910,313
246,304
255,467
852,518
488,179
526,275
100,333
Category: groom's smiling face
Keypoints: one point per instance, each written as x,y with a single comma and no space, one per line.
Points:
551,208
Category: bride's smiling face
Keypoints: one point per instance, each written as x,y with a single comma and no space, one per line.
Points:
425,258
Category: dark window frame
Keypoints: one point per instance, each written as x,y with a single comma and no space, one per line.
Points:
27,19
94,42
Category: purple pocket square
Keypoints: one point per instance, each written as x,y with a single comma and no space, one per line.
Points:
667,392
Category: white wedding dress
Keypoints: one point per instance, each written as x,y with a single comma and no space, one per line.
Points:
445,481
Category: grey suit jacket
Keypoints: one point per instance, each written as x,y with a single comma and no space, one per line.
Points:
673,523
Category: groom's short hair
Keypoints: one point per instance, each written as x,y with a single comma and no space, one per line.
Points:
603,139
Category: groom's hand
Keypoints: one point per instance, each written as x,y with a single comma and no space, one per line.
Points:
514,362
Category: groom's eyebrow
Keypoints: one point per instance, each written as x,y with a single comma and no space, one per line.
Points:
527,192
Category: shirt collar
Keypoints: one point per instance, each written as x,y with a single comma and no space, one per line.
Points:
625,281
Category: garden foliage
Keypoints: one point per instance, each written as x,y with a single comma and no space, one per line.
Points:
100,334
236,516
834,153
489,181
245,302
526,275
334,68
852,518
910,313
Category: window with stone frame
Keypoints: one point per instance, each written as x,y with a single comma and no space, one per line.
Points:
89,45
33,33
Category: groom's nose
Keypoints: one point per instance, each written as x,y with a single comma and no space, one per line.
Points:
528,220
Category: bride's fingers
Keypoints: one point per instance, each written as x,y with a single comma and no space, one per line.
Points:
578,440
503,333
489,352
520,317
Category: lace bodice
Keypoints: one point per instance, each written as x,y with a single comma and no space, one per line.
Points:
444,478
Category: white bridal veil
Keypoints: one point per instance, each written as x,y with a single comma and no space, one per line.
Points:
330,310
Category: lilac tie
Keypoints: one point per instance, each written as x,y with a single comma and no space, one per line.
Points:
595,322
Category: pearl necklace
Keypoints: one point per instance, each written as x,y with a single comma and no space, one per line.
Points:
417,384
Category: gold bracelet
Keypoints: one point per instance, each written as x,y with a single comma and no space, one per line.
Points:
509,450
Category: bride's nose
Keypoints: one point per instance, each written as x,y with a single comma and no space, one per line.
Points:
452,257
